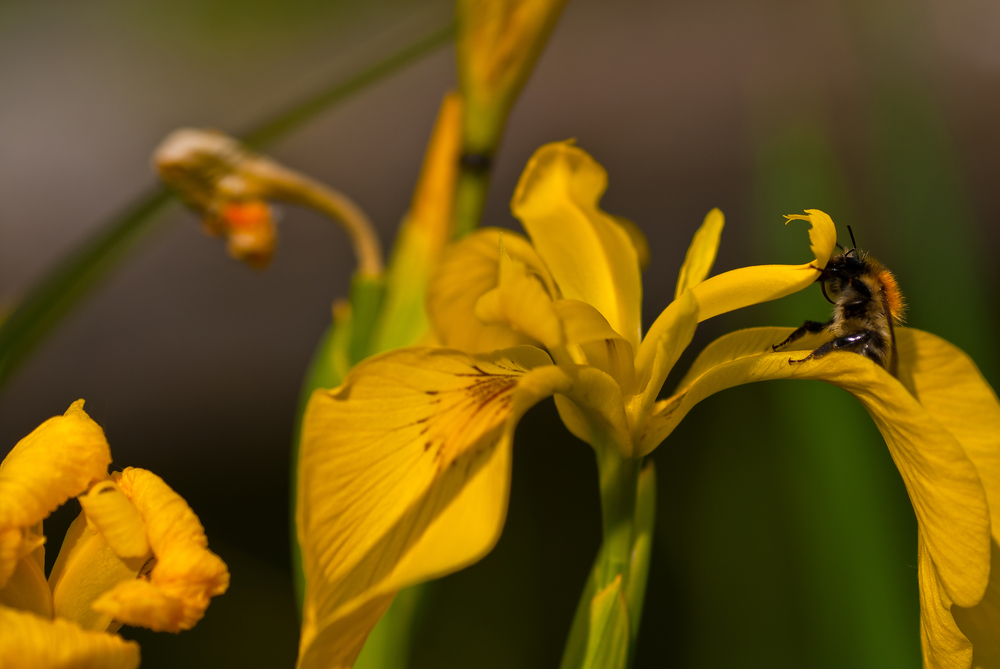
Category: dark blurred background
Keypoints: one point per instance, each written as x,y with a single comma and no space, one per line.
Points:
784,535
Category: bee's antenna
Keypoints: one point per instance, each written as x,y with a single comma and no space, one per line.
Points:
853,243
839,246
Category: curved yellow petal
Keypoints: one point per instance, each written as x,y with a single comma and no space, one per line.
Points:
186,575
752,285
58,460
943,484
949,386
403,476
701,254
111,513
589,254
469,269
85,569
601,346
521,301
662,346
27,589
943,644
28,641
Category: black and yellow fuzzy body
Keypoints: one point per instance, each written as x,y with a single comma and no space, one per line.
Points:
867,305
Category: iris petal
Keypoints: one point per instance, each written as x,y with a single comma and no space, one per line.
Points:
58,460
752,285
186,575
404,476
701,253
469,269
27,640
589,254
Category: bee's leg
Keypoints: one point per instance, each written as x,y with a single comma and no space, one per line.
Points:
856,342
809,327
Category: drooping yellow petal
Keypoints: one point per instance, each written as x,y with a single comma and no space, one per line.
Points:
469,269
752,285
701,254
27,590
950,387
589,254
186,576
111,513
943,484
86,568
58,460
404,476
28,641
943,644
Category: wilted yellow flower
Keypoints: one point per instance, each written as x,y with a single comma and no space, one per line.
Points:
404,470
230,185
135,555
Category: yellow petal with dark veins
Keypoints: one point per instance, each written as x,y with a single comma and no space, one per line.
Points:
186,576
58,460
28,641
762,283
404,475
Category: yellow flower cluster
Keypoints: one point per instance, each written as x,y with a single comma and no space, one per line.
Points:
136,554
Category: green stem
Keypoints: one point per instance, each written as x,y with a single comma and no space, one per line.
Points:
619,478
470,199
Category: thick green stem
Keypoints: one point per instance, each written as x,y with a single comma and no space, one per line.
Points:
619,477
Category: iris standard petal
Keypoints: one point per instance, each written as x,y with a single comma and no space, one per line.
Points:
668,337
28,641
762,283
58,460
589,254
601,346
943,484
701,253
469,269
521,301
186,574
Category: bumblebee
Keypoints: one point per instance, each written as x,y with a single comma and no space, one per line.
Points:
867,305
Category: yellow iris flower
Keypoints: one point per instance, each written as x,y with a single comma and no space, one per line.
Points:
405,468
136,554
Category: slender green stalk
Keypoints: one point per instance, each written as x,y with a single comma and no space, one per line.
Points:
77,274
